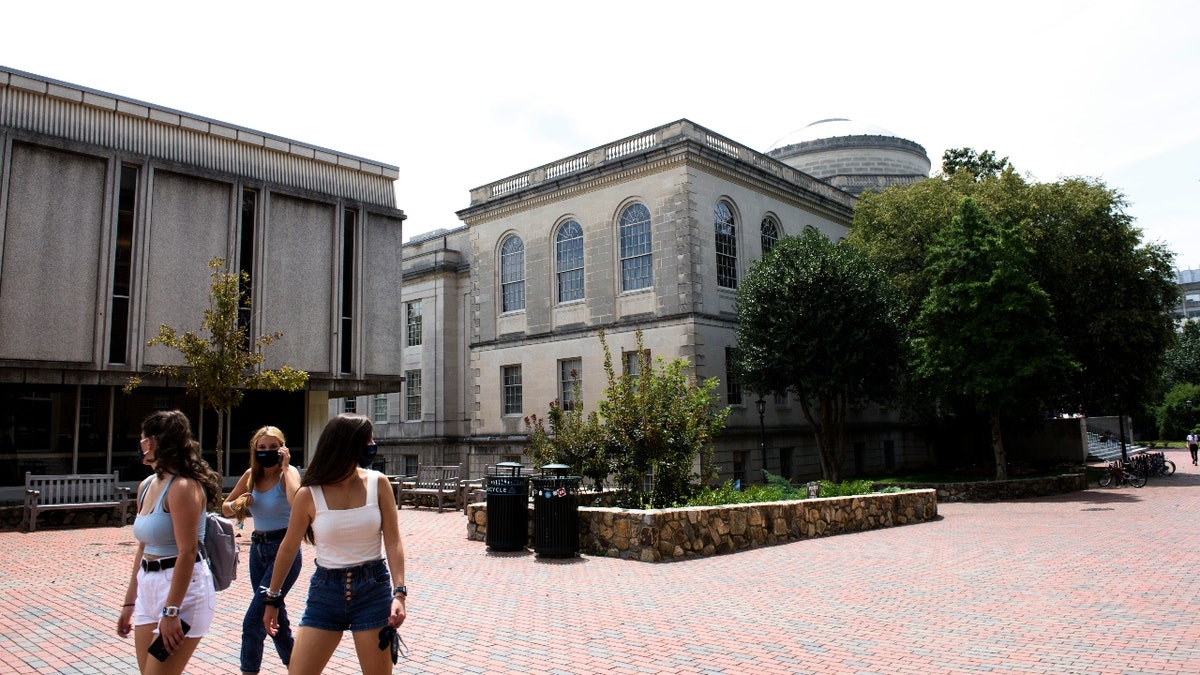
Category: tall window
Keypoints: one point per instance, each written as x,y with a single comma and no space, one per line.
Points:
510,377
350,405
733,386
379,414
726,239
348,219
412,395
770,234
568,247
570,375
246,261
118,318
512,274
413,310
637,262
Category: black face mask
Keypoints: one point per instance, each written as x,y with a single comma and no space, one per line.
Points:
367,456
267,458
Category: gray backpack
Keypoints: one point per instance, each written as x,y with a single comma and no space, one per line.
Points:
220,550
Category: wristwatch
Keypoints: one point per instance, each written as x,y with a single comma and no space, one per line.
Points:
171,610
400,590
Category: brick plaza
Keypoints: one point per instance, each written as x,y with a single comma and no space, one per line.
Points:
1096,582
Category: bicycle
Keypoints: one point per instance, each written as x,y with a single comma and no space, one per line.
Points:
1116,474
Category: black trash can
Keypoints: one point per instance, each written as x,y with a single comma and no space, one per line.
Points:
556,512
507,508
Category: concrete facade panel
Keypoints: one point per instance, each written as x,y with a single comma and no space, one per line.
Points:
383,326
51,255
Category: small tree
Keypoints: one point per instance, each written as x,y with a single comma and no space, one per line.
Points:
218,369
656,423
816,319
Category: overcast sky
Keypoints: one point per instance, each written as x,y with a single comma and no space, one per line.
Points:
460,94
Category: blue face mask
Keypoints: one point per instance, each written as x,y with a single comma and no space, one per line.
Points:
368,456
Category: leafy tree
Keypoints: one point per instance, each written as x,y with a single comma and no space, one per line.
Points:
656,423
986,330
1182,361
222,366
977,165
818,320
1176,418
1111,293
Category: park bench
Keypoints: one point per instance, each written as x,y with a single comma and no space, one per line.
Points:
439,482
73,491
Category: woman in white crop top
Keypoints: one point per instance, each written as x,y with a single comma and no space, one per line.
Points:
349,514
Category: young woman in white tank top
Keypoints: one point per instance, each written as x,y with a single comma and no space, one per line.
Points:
349,513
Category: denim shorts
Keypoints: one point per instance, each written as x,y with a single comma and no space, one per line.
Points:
349,598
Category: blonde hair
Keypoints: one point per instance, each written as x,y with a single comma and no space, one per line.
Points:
256,469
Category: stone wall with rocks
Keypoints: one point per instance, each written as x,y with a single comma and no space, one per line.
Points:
998,491
662,535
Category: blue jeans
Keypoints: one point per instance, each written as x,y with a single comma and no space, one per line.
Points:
262,564
349,598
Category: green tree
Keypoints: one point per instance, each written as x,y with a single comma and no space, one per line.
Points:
656,423
1175,417
218,369
986,330
1111,293
1182,361
977,165
818,320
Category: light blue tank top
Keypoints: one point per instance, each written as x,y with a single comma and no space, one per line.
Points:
155,529
271,510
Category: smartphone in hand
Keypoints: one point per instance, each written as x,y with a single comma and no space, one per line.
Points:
158,650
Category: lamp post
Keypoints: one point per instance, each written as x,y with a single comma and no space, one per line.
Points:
762,435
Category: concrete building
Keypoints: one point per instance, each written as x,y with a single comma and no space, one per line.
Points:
853,156
1189,295
111,208
649,232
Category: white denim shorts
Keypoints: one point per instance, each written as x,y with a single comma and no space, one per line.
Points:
198,606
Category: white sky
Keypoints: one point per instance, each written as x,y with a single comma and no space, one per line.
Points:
460,94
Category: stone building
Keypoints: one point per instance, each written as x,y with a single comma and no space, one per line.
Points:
853,156
111,208
649,232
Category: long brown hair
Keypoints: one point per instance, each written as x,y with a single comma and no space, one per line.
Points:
178,452
336,457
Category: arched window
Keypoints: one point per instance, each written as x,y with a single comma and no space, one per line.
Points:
770,234
726,239
637,262
568,249
512,274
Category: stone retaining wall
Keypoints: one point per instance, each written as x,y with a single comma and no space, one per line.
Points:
1005,490
662,535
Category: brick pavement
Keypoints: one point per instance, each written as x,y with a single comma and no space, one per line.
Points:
1099,582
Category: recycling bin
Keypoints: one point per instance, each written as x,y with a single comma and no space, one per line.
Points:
507,508
555,512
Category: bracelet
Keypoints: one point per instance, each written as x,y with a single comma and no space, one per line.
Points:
129,604
400,590
269,593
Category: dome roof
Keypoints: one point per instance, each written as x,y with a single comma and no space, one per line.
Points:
834,127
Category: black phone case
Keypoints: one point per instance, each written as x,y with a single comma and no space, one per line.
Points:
158,650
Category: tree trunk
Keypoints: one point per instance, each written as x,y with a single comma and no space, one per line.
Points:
998,447
826,433
221,446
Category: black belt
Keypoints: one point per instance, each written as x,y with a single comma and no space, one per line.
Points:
274,535
162,563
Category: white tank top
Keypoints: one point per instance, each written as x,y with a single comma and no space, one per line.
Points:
348,537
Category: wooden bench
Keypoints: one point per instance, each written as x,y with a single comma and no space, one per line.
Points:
73,491
439,482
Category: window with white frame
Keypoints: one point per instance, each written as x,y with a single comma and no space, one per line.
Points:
410,465
350,405
379,414
413,312
568,259
733,386
570,376
770,234
637,261
412,395
510,377
512,274
726,241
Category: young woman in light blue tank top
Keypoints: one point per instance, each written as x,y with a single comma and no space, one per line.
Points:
265,492
170,586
